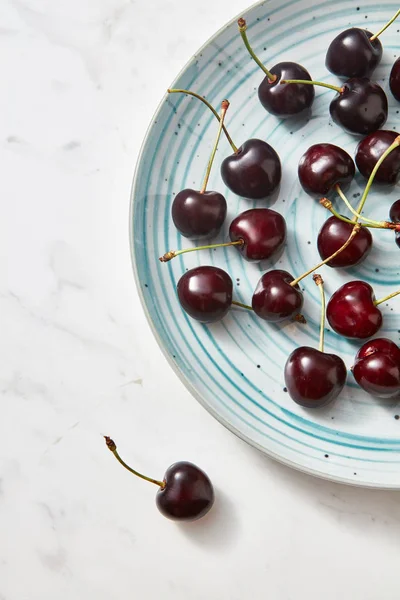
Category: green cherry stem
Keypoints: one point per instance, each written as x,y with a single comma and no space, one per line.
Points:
326,203
224,108
320,283
353,233
386,298
370,181
173,253
111,445
242,30
368,222
246,306
371,39
216,115
335,88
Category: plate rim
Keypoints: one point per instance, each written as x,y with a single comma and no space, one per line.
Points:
189,386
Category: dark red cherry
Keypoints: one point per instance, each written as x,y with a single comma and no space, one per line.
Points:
371,148
377,368
322,166
205,293
361,107
286,100
352,54
395,216
185,494
395,212
351,311
394,80
333,235
198,215
275,299
262,230
254,171
314,378
188,493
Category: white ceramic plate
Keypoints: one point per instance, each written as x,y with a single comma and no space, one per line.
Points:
235,368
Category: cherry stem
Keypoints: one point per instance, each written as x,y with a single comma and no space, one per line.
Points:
354,232
216,115
386,298
376,224
320,283
170,255
224,108
242,30
370,181
383,225
335,88
371,39
246,306
112,446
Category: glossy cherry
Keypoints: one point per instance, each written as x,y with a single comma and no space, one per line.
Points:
275,299
353,54
323,166
198,215
254,171
333,234
377,368
262,230
313,377
351,311
185,494
205,293
394,80
361,107
395,217
282,101
371,148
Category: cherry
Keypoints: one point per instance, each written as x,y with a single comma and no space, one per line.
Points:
185,494
205,293
394,80
323,166
356,52
333,234
360,105
352,53
254,171
352,311
313,377
282,101
371,148
377,368
395,216
199,215
262,230
275,299
258,234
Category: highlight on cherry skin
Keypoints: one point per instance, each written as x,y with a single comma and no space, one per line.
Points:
185,493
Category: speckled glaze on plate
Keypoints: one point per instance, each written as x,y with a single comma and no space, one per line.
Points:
235,368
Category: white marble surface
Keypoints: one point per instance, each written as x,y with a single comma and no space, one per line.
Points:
80,82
